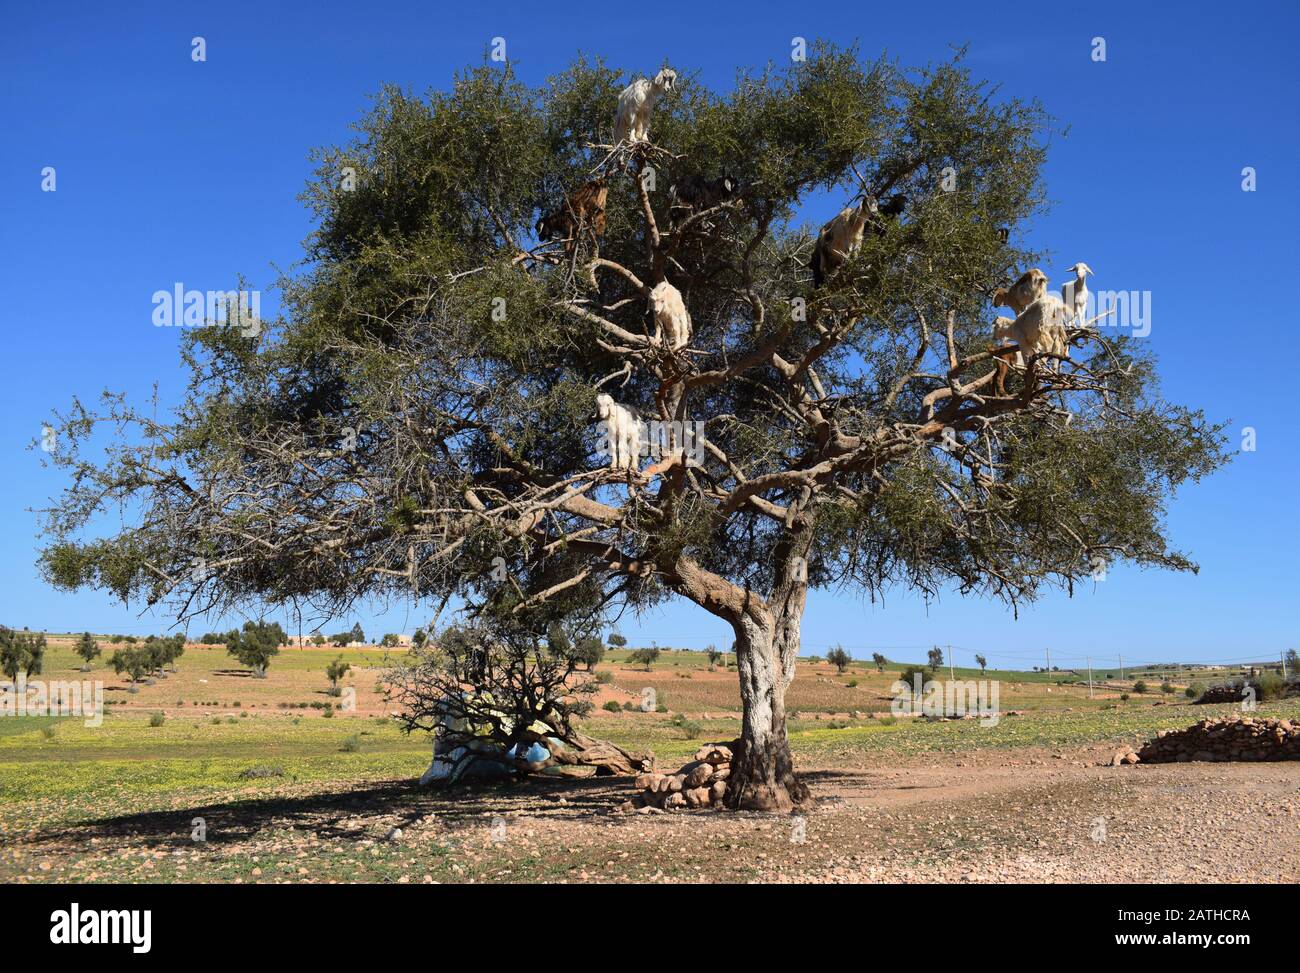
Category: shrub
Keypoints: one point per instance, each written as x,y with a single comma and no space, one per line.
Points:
643,657
1194,691
1139,687
604,678
1124,697
852,684
156,719
909,675
48,732
612,707
1166,687
1268,685
351,744
261,771
690,729
327,711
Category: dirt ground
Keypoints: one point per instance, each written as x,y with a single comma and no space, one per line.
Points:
1029,815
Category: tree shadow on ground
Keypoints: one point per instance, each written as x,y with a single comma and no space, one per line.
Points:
372,810
367,811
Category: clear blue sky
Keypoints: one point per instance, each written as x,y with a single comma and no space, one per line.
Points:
170,170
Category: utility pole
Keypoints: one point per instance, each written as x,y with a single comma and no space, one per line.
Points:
1121,668
952,678
1049,661
1284,665
1090,677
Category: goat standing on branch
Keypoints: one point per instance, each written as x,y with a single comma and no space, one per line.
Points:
635,105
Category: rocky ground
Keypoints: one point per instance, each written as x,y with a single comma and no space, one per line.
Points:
1025,815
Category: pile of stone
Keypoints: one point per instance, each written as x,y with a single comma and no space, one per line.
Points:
1229,738
1221,694
700,783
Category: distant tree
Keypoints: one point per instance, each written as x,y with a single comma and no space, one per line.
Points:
256,645
1139,686
936,658
589,650
879,660
135,661
981,662
88,649
714,655
115,639
616,641
1292,663
357,635
390,641
213,638
420,638
644,657
335,671
318,639
839,658
21,652
163,652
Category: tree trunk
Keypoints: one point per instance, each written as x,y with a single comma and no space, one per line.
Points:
762,775
609,759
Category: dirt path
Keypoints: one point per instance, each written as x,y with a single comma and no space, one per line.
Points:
990,816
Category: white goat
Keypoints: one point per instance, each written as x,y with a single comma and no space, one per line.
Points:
1075,292
632,124
622,431
672,321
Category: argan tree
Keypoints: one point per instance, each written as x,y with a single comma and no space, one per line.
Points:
839,658
334,672
422,420
21,652
255,645
88,649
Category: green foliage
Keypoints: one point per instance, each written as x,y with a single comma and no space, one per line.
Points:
616,641
157,719
910,677
21,652
136,661
256,644
643,657
1139,687
936,658
87,648
612,706
335,671
839,658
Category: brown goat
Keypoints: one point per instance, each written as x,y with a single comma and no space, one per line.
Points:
1029,287
584,208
